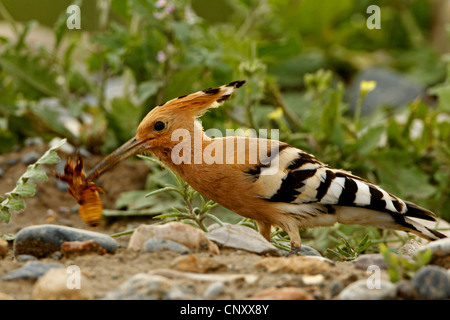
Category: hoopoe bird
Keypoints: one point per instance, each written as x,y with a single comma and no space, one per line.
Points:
284,186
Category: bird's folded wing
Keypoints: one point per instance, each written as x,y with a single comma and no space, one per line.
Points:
297,177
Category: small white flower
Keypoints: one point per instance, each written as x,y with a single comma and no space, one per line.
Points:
161,56
161,3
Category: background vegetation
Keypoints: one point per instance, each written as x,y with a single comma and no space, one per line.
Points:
302,60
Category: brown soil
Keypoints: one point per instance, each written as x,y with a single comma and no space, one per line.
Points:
107,272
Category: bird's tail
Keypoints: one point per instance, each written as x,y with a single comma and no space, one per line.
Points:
419,229
390,220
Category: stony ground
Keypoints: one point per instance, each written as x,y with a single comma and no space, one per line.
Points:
199,274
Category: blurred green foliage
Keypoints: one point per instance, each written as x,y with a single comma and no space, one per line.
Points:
94,85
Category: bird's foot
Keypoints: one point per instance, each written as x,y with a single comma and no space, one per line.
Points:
294,251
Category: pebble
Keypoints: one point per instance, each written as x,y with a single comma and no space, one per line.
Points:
409,248
4,247
336,287
13,161
192,263
295,264
189,236
43,240
441,252
25,258
32,270
60,185
285,293
359,290
158,244
214,290
143,286
308,251
367,260
405,290
432,282
33,141
30,157
241,238
60,284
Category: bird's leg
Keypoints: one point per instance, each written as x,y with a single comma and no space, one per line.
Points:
296,241
264,229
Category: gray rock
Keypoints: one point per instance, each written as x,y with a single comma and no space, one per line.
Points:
34,141
359,290
336,287
158,244
308,251
43,240
405,290
409,248
432,282
60,185
393,89
143,286
13,161
243,238
32,270
366,260
30,157
214,290
25,258
440,248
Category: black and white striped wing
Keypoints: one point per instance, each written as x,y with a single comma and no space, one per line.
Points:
297,177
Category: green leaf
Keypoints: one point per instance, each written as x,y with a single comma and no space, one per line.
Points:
370,139
35,173
50,156
15,202
162,190
24,189
5,215
151,159
8,236
424,257
35,79
214,218
148,89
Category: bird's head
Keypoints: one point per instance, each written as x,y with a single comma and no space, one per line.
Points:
155,130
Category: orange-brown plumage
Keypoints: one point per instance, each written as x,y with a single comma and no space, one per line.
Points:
266,180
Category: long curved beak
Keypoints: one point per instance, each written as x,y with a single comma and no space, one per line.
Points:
128,149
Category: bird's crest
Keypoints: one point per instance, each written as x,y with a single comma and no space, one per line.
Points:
196,104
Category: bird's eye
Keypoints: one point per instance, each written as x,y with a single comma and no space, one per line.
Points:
159,125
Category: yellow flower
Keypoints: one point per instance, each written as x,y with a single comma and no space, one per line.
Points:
276,114
366,86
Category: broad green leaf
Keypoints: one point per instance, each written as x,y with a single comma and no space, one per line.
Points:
15,202
36,173
50,156
24,189
5,215
370,139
